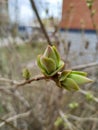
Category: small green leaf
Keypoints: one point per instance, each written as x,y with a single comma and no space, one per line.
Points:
38,61
48,64
64,75
56,53
57,70
49,53
43,70
79,73
71,84
79,79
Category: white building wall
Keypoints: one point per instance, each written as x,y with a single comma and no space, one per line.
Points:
78,54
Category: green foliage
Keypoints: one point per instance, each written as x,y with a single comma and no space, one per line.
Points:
51,65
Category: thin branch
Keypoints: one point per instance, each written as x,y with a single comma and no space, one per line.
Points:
65,117
70,126
16,95
9,124
85,93
82,119
13,82
22,115
85,66
41,24
41,77
22,83
93,23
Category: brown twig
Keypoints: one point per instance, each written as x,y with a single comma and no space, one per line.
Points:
85,93
6,121
70,126
65,118
22,83
83,119
40,77
85,66
41,24
16,95
5,80
93,22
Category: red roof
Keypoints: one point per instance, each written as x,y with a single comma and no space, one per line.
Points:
76,15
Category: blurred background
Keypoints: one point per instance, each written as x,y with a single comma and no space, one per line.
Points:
26,28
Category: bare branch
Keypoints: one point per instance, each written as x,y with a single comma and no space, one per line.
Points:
16,95
82,118
39,19
85,66
22,83
70,126
40,77
22,115
5,80
65,118
85,93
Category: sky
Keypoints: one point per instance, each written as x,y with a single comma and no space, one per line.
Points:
21,11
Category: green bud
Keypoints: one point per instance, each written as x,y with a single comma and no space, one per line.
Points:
50,62
89,96
70,84
89,3
59,121
79,79
26,74
71,79
73,105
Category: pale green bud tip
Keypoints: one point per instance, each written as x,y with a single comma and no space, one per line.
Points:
47,51
80,79
26,74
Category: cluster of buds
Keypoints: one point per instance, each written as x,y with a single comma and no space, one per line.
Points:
50,62
52,66
71,80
